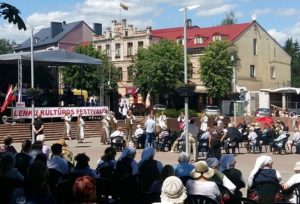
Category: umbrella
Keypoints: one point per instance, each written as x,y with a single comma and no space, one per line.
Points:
265,120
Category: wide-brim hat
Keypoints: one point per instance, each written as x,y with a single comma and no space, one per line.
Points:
202,169
297,166
173,190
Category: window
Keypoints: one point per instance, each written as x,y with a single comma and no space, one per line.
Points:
107,50
129,49
130,73
118,50
217,37
99,48
254,46
120,74
272,72
180,41
140,44
198,40
252,71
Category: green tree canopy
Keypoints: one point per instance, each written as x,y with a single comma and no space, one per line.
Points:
88,76
293,49
216,69
229,19
159,68
6,46
12,14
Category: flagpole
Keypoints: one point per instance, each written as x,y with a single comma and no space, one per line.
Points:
32,85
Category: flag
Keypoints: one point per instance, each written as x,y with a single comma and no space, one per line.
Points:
9,97
124,6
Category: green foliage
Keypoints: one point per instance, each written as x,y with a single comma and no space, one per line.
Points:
229,19
88,76
12,14
293,49
6,46
171,113
216,69
192,113
159,68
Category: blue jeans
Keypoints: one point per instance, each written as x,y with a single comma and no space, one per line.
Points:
149,139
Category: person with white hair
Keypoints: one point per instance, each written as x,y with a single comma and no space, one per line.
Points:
263,172
183,168
45,149
139,137
252,139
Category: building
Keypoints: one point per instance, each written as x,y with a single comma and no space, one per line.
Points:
121,43
260,62
60,35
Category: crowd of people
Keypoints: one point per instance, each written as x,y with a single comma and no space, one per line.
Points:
39,174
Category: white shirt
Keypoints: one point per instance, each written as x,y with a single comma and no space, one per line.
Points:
252,137
205,188
150,126
293,180
296,137
138,131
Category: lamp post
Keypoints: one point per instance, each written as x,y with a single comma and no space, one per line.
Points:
186,99
32,82
233,88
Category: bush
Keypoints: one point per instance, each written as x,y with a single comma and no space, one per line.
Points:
171,113
192,113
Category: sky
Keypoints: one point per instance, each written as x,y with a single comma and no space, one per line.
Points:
280,18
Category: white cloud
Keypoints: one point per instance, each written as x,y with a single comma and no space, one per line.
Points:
259,12
279,36
216,11
286,12
278,12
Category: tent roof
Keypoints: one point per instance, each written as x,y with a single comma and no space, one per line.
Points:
52,57
283,90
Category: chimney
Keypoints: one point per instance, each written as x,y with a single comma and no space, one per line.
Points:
189,23
148,29
56,28
97,27
124,22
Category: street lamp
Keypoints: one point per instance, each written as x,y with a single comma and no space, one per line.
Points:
186,99
233,87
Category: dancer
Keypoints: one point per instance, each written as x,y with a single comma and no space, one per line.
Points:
80,128
67,131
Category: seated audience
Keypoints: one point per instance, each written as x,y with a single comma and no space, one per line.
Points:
82,166
201,185
263,172
293,180
23,158
173,191
183,168
8,147
45,148
105,166
227,167
66,153
7,170
218,177
56,161
84,190
295,141
149,168
167,171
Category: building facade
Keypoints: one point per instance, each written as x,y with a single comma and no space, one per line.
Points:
260,62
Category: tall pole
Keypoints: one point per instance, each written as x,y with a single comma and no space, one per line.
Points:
32,84
186,99
233,88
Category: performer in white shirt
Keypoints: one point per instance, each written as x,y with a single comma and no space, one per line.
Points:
67,132
80,130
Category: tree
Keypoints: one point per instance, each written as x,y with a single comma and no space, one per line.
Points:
6,46
216,69
12,14
229,19
88,76
293,49
159,68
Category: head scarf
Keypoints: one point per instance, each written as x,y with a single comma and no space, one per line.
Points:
128,151
147,153
212,162
260,163
226,161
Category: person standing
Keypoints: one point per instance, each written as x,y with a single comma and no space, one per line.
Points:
180,121
150,131
105,131
38,126
112,121
128,123
67,131
204,121
80,128
162,120
124,108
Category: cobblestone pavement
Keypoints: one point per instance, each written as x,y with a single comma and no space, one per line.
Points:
245,161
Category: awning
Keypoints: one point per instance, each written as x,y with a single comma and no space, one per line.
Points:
283,90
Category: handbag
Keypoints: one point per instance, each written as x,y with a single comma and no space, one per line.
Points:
253,195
